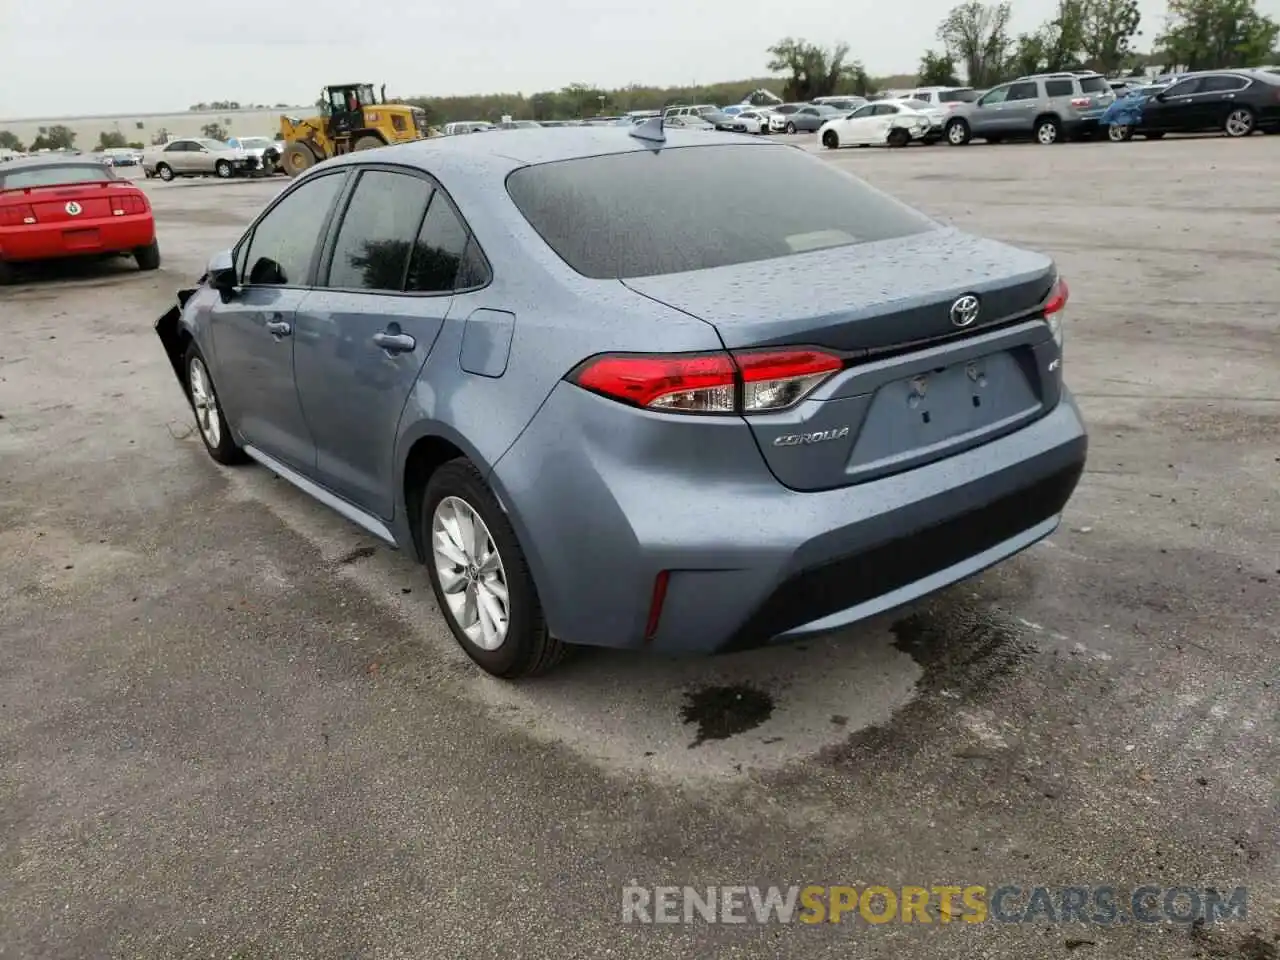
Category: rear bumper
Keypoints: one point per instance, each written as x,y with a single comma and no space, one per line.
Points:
603,499
84,238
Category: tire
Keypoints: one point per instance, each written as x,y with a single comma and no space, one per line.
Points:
367,143
830,140
898,137
525,648
164,172
297,158
1154,135
211,424
1240,122
223,169
790,127
7,274
148,257
1048,131
958,133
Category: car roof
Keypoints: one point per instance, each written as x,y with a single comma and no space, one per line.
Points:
50,160
457,156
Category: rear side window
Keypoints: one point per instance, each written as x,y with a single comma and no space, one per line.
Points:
1221,83
372,248
52,176
645,213
438,253
957,96
1058,88
284,241
1095,85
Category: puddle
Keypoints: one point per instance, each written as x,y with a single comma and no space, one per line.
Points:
722,712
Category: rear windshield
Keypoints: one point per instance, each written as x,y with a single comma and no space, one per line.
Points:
1095,85
647,213
958,96
55,175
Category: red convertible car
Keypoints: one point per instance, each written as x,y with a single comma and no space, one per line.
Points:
71,206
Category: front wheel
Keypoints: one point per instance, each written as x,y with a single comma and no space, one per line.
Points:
1239,122
223,169
830,140
164,172
1120,132
957,133
367,143
480,576
209,417
790,128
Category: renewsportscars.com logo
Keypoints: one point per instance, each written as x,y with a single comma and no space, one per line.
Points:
938,903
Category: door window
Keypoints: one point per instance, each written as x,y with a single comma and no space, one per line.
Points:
1058,88
863,111
373,244
994,96
1183,88
1221,84
438,253
1023,91
176,147
885,109
284,240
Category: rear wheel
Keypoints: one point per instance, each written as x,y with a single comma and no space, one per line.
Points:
297,158
1048,131
223,169
958,133
164,171
790,127
368,143
899,137
1120,132
480,576
148,257
1239,123
830,140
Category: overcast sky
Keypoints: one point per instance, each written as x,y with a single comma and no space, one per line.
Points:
67,57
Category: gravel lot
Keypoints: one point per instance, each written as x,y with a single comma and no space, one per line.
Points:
232,726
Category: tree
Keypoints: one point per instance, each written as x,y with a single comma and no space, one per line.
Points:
110,139
56,137
977,35
214,131
1056,45
1205,34
9,141
1107,32
937,70
815,71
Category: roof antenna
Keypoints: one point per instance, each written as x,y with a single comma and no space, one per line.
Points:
650,130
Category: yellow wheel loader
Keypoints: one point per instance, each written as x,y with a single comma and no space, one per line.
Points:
352,117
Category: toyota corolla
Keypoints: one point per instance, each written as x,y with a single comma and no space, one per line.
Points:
607,403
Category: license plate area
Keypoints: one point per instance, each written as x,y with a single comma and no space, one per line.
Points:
940,411
86,239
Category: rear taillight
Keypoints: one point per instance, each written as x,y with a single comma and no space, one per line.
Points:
1055,309
127,203
1081,101
746,381
17,214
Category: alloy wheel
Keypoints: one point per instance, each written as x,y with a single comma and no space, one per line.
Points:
205,402
1047,133
472,576
1239,123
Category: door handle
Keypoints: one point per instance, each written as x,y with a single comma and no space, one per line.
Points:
1228,96
278,326
394,342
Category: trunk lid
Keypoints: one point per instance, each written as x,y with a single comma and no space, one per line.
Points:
916,386
55,204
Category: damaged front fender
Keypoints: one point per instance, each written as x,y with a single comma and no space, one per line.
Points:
174,337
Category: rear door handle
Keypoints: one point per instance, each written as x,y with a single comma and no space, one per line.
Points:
278,326
394,342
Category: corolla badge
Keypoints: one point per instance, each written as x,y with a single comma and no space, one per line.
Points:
965,310
802,439
73,209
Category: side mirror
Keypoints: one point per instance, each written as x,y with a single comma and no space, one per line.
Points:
222,273
1161,97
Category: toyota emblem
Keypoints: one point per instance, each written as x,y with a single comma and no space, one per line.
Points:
73,208
965,310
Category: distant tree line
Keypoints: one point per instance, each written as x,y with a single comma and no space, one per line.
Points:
975,47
